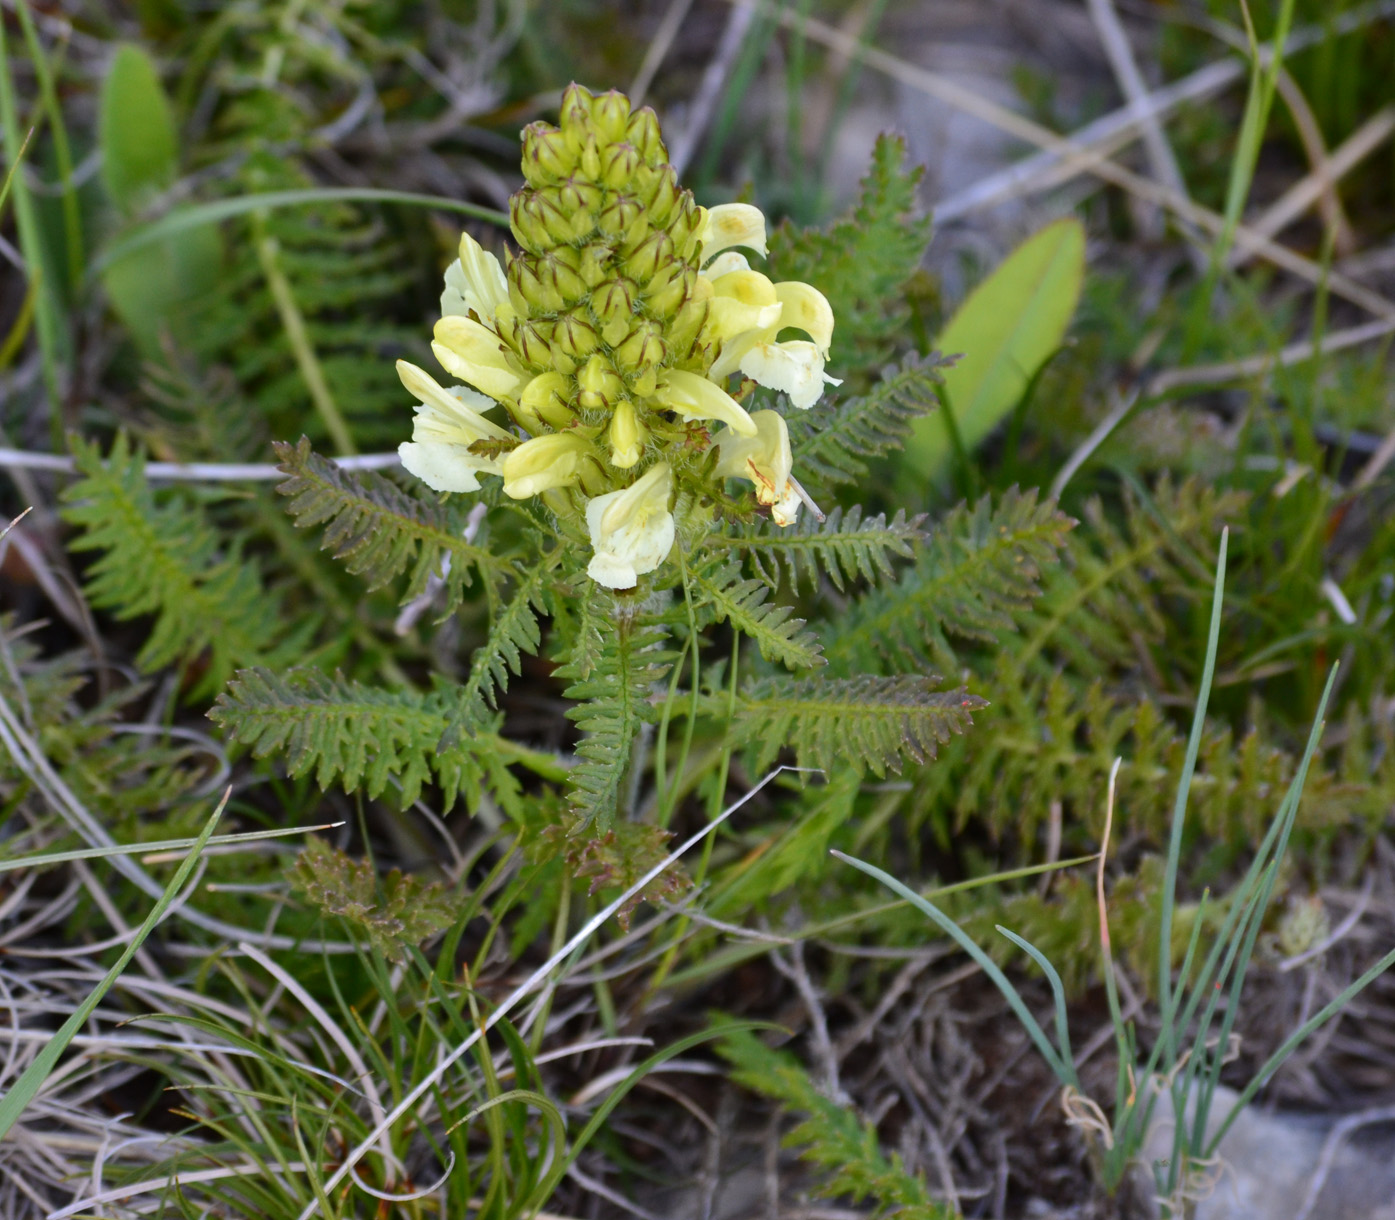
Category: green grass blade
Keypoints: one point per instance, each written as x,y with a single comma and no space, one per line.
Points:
1179,809
48,859
24,1090
1288,812
1065,1074
1058,994
62,151
14,166
199,214
1295,1040
47,315
558,1170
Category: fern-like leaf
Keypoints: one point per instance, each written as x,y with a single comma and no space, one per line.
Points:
831,1136
358,735
981,567
863,261
832,440
1114,588
868,722
614,704
513,632
163,558
845,547
378,529
726,594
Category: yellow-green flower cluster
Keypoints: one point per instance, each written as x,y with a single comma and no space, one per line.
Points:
611,341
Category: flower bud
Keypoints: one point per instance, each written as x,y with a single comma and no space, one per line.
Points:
537,222
545,397
574,114
591,159
583,224
653,252
533,342
619,163
643,348
645,383
685,223
669,296
576,195
667,194
615,299
565,284
610,113
595,264
643,132
638,230
626,436
686,325
546,158
618,217
574,337
534,293
600,384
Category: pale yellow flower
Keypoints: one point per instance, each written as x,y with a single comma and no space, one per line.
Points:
694,397
474,283
766,460
474,353
632,531
746,311
556,459
448,422
731,224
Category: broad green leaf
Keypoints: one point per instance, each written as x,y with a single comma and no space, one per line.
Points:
151,289
140,151
1004,332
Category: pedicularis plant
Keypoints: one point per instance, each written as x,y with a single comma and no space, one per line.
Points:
620,475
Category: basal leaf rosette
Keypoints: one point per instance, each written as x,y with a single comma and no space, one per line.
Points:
612,342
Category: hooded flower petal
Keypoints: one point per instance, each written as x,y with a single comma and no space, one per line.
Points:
732,224
448,422
794,368
730,260
474,353
694,397
805,308
475,281
766,460
456,403
632,530
553,460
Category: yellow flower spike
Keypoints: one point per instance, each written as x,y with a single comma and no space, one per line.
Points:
805,308
765,459
632,531
732,224
694,397
553,460
474,353
474,282
627,436
447,423
794,368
